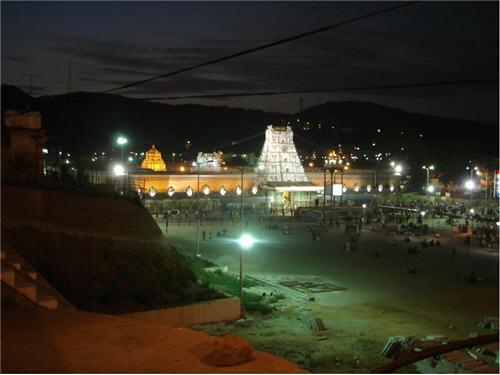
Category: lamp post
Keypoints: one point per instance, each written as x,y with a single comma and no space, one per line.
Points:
470,184
198,221
121,141
246,241
427,169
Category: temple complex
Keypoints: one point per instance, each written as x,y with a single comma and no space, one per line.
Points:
153,160
279,161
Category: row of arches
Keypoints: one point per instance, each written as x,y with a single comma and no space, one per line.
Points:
205,189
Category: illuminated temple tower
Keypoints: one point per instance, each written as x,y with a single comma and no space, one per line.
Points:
279,162
153,161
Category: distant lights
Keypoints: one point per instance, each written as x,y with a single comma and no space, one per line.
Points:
45,151
205,190
238,190
356,188
368,188
171,191
380,188
182,169
118,170
363,205
255,190
422,213
469,184
222,191
121,140
430,189
189,191
391,188
472,211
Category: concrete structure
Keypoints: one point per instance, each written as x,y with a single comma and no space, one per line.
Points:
353,178
22,142
198,313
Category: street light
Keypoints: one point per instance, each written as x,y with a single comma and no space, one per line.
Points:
428,168
430,189
469,185
246,241
121,141
118,170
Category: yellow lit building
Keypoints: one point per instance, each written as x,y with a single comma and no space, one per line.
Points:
154,161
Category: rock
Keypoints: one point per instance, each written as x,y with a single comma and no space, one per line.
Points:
228,350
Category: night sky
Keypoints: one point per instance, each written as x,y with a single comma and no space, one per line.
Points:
112,43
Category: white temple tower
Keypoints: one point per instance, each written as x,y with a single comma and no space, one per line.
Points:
279,162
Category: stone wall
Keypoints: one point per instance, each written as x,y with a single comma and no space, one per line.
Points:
198,313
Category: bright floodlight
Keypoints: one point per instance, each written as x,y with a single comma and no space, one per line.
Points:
189,191
255,190
170,191
363,205
393,164
431,167
222,191
238,190
430,189
118,170
422,213
398,168
469,184
121,140
246,241
472,211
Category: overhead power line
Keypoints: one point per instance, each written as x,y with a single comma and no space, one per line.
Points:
265,46
336,89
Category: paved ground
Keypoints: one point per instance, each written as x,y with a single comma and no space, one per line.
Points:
381,298
40,341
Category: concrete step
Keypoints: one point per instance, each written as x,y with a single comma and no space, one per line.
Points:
31,273
24,279
28,290
47,301
14,262
8,276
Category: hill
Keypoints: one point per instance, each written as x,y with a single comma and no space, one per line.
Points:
83,122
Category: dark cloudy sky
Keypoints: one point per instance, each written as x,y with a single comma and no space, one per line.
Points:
112,43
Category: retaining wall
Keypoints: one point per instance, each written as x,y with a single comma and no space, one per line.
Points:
198,313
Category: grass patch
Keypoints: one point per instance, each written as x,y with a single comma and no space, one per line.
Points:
228,284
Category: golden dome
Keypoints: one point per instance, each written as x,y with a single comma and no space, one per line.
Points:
154,161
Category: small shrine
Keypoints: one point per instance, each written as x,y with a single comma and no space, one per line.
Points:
154,161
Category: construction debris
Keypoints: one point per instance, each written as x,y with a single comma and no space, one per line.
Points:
316,324
398,346
488,323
